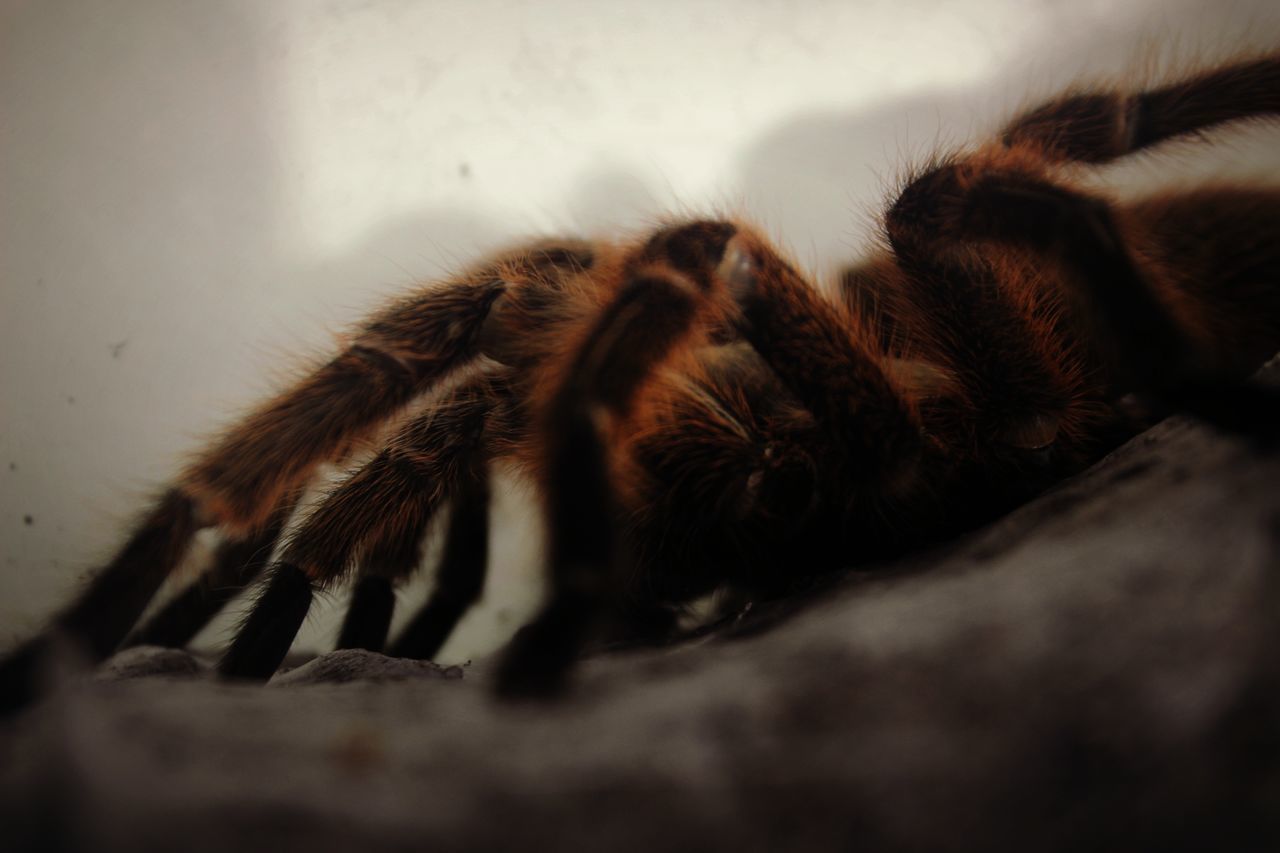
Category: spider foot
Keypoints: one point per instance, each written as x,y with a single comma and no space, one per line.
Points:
537,662
262,643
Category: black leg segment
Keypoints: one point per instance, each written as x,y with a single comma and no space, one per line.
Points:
368,616
236,565
262,643
104,613
657,308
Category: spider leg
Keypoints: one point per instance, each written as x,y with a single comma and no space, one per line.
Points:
1132,315
668,286
386,561
1219,249
460,578
380,513
1006,375
373,597
1100,126
1156,355
236,564
373,603
105,611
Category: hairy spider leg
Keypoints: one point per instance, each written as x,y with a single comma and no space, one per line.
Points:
1153,353
667,297
1150,334
1098,126
369,613
1138,322
386,561
107,609
1224,235
1218,249
1006,378
380,514
389,560
460,577
236,564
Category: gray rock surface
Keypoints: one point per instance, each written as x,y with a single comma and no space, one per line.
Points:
1099,670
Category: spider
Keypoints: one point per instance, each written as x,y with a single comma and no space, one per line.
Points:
697,417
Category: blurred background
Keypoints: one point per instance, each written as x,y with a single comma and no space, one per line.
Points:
197,199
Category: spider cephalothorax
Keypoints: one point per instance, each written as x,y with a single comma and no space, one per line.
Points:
696,416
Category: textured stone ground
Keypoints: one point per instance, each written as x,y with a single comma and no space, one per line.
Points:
1099,670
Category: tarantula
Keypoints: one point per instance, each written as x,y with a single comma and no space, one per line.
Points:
697,416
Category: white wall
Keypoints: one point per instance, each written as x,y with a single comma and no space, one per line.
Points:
195,195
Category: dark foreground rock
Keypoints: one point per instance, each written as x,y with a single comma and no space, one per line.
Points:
1100,670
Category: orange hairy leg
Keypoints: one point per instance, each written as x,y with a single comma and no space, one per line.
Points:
670,292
